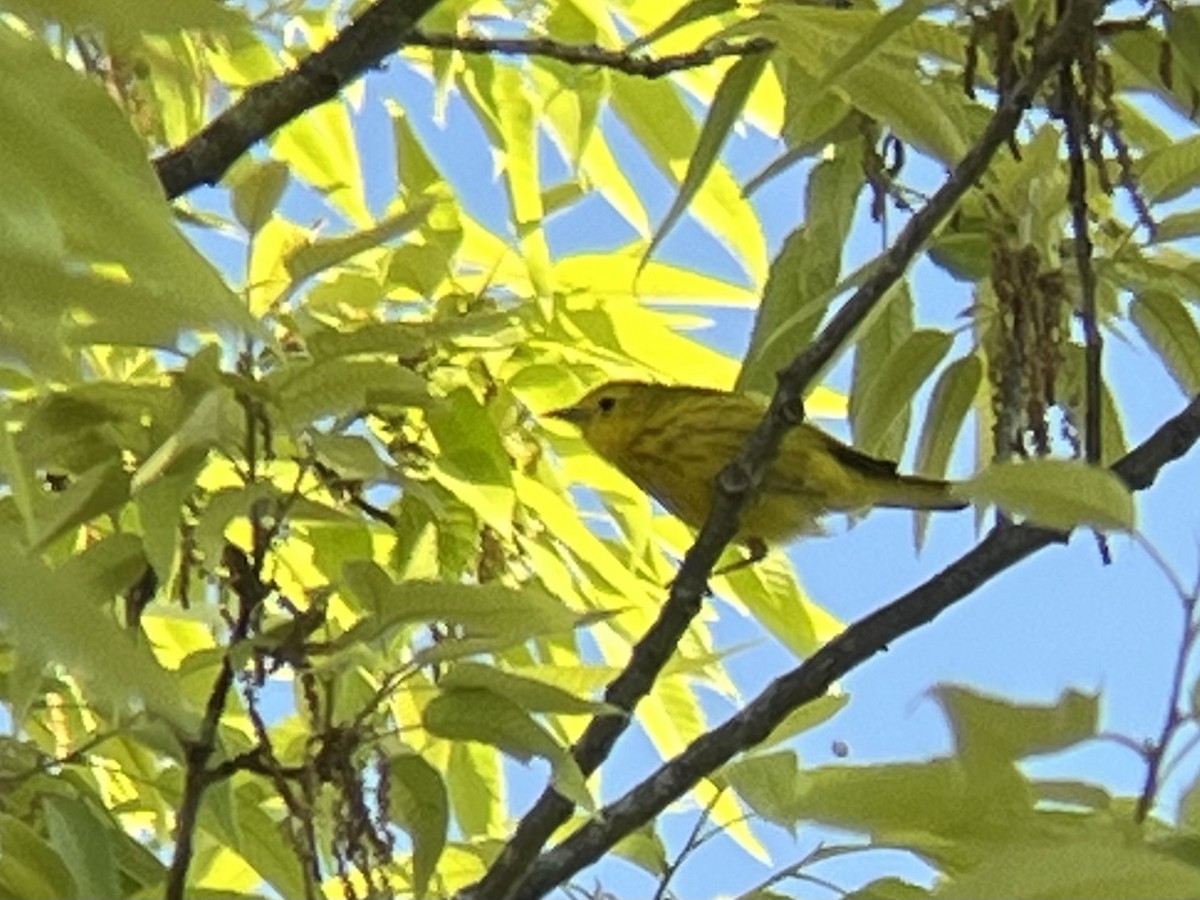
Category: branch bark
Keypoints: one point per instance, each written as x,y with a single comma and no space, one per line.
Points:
590,54
269,105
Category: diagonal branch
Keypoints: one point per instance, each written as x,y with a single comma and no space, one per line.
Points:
269,105
650,654
1003,547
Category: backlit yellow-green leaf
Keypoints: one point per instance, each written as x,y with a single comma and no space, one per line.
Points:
1055,493
726,107
1168,327
891,392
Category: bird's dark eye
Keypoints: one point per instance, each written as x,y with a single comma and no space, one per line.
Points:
607,404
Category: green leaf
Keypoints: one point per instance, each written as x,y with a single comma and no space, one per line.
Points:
890,395
767,782
1183,33
888,888
221,508
350,455
213,418
483,609
1166,325
29,866
123,16
1102,862
415,170
597,558
479,714
886,330
251,832
612,275
324,253
920,805
661,122
407,340
529,693
85,845
256,187
692,11
160,508
953,395
812,120
872,40
806,717
1171,171
341,386
111,563
320,147
611,181
931,116
1055,493
476,785
1002,732
772,593
1189,803
418,803
66,626
97,491
724,113
471,461
803,275
1079,794
73,159
644,848
501,99
1177,226
888,84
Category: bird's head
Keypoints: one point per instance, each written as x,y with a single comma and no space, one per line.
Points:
611,416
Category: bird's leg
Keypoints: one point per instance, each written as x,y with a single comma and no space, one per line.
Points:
756,551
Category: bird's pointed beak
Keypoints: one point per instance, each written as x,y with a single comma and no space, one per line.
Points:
574,414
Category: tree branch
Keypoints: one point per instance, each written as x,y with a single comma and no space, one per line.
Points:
269,105
736,481
590,54
1004,546
248,587
362,45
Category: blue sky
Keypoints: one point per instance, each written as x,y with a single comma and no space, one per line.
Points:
1059,620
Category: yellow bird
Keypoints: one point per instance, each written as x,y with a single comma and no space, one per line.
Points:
671,441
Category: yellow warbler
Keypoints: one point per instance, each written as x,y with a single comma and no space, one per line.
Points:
671,441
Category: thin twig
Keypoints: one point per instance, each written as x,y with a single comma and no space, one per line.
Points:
590,54
1155,752
1073,119
251,591
695,839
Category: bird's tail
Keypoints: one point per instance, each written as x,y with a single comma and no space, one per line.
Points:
914,492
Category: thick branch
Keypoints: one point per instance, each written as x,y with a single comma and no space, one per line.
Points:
270,105
1002,548
735,484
